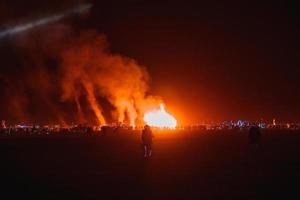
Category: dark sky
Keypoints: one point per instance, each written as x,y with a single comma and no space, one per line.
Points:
209,60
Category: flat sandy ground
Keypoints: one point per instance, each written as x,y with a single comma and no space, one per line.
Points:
185,165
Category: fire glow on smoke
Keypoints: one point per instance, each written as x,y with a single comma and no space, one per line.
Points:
87,73
160,118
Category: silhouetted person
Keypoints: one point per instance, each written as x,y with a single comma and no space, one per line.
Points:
254,135
104,130
88,130
147,141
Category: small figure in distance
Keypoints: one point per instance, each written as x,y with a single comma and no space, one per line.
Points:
104,130
254,136
147,141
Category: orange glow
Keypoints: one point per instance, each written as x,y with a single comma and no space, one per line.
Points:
160,118
93,102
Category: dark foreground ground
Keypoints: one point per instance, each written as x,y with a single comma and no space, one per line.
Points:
185,165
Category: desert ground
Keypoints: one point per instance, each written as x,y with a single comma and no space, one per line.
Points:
184,165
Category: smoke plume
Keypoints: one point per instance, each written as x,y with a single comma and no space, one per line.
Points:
88,62
62,76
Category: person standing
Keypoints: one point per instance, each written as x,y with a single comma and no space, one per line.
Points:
147,137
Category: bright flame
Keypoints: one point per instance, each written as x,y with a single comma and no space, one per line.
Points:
160,118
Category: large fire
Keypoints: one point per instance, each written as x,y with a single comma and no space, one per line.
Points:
90,76
160,118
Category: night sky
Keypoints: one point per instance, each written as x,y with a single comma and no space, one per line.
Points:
208,60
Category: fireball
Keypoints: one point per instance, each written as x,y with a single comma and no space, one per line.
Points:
160,118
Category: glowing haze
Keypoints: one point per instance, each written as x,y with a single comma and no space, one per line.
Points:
91,70
88,75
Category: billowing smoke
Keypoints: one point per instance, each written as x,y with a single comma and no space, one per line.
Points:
64,76
90,69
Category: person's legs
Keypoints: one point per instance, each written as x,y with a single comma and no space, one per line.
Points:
145,151
149,150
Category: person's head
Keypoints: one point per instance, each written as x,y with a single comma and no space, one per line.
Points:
146,127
